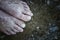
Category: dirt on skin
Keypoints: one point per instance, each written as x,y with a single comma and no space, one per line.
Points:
38,27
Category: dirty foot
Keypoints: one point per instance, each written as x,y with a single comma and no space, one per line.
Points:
19,10
10,25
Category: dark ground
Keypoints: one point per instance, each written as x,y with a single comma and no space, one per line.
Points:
43,26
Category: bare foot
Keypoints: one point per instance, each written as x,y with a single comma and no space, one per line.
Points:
10,25
19,10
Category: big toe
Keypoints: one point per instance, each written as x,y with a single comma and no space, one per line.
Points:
24,17
26,9
27,12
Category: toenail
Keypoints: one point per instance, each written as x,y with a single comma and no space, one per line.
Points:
23,25
31,14
17,31
28,18
13,32
21,30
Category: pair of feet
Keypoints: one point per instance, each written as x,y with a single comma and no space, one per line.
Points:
13,17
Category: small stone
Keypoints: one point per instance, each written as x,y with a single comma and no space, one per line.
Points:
58,7
48,2
32,35
31,2
49,23
37,27
53,29
56,37
48,33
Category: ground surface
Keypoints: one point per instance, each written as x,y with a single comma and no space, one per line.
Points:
41,27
